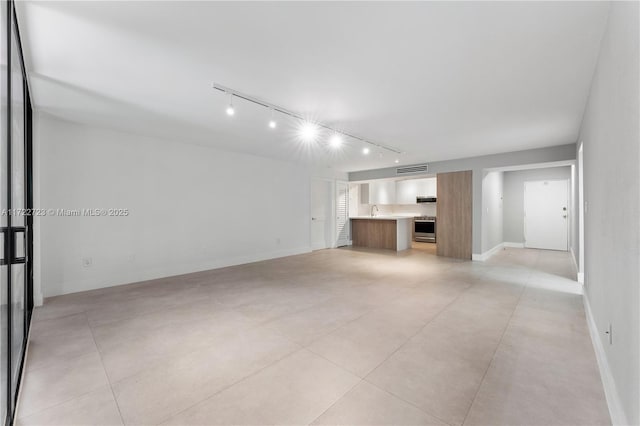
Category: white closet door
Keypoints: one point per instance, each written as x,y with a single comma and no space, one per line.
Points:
321,214
342,213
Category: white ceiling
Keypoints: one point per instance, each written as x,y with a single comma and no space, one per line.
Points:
437,80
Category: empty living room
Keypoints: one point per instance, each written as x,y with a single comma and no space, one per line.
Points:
320,213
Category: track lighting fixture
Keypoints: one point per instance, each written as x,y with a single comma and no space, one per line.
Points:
230,109
308,131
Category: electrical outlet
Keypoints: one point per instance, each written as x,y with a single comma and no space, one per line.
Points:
87,262
609,334
278,241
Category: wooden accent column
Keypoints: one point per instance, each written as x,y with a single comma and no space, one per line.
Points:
454,214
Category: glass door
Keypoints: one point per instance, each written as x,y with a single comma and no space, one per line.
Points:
4,225
15,204
17,289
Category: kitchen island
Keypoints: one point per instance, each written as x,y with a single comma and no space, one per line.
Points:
383,232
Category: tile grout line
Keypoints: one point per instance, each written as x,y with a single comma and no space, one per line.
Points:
115,400
419,330
190,352
242,379
74,397
409,403
337,399
372,309
475,396
407,341
361,380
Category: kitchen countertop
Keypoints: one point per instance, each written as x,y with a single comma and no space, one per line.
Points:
382,217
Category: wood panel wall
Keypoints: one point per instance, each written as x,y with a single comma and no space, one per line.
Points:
374,233
454,214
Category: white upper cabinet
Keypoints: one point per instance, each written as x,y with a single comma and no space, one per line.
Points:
408,190
427,187
397,192
382,192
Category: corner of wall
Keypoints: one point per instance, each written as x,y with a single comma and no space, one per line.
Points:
483,257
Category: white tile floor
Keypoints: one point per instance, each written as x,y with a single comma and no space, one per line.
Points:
334,337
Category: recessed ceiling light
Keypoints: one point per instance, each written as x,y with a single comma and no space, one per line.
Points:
335,141
396,161
366,150
308,131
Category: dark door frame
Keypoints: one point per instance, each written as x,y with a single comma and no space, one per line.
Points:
12,231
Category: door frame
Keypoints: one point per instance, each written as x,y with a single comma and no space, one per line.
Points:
338,242
331,221
569,211
581,205
9,249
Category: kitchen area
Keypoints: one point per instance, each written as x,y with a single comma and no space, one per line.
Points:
395,214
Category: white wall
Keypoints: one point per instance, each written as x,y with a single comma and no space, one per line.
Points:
191,207
492,210
611,137
514,197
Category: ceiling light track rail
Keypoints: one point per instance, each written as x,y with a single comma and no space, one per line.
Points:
240,95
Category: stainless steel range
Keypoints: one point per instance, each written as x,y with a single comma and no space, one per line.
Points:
425,229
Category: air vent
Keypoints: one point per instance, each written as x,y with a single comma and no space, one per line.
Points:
420,168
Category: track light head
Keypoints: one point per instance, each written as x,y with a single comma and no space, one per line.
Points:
308,131
230,109
336,141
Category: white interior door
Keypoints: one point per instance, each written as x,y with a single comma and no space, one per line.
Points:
342,214
546,214
321,214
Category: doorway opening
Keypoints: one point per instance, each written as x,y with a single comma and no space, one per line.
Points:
329,213
322,208
539,211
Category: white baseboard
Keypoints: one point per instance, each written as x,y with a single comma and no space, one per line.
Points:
616,411
487,254
513,245
579,275
573,259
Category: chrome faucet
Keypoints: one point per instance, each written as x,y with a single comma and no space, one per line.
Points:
377,210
